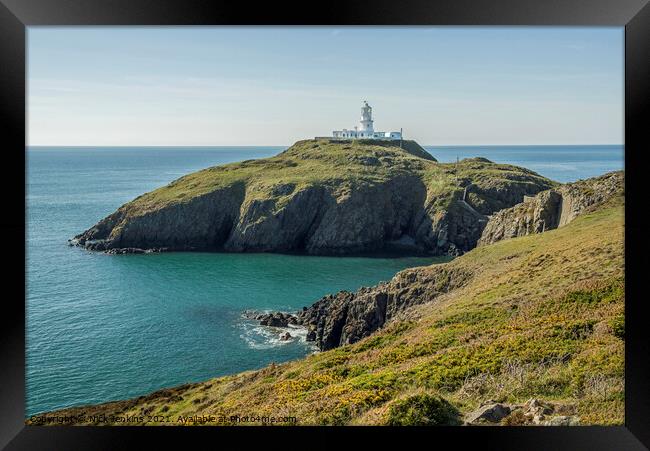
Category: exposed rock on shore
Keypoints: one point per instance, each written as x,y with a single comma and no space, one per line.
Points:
273,319
321,197
553,208
346,317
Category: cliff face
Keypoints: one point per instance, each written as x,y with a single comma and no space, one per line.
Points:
345,318
321,197
553,208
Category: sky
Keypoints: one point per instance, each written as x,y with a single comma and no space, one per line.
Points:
212,86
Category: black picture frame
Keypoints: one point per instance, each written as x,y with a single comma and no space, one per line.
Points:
16,15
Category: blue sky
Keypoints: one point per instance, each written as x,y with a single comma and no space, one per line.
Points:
275,85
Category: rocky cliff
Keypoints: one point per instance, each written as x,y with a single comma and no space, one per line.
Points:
321,197
346,317
553,208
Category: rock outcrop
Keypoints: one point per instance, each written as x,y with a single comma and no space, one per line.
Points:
286,336
552,208
346,317
276,319
324,198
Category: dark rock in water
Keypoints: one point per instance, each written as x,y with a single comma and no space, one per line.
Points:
273,319
276,319
286,336
127,250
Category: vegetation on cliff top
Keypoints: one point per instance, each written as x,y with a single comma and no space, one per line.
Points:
333,163
321,197
541,317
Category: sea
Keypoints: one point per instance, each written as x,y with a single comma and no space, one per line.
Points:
107,327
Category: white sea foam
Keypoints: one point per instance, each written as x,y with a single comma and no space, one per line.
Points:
257,336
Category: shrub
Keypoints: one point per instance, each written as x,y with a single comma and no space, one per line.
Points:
618,327
576,330
337,417
610,293
423,410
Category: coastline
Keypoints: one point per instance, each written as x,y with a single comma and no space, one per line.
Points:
108,197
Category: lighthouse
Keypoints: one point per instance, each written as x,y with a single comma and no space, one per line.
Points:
365,129
365,125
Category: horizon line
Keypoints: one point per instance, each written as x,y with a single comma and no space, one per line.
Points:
289,145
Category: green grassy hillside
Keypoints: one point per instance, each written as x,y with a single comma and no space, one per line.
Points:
332,163
541,317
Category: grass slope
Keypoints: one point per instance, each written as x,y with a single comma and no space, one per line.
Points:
542,317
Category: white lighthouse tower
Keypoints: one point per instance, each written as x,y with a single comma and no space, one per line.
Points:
365,125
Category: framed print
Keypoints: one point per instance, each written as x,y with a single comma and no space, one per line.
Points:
379,215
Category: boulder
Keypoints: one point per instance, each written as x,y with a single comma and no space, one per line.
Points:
276,319
536,411
562,420
489,413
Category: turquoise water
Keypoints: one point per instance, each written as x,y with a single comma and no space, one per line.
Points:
103,327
